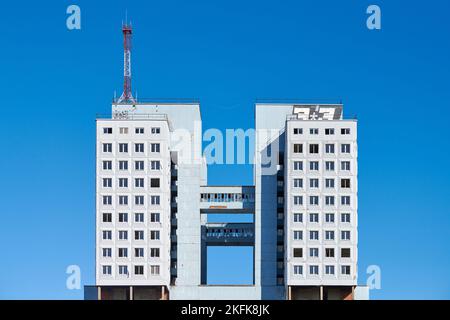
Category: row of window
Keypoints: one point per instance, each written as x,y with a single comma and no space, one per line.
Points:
329,235
328,200
328,270
328,253
139,165
328,131
329,148
138,182
329,217
138,270
138,130
138,200
138,252
138,235
138,147
314,165
139,217
314,183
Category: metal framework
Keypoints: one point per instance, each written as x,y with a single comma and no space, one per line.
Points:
127,96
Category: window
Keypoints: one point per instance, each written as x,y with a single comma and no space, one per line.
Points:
154,217
329,132
155,147
314,200
139,130
155,165
139,147
329,165
329,270
156,130
314,235
298,148
139,165
345,148
107,165
345,235
107,182
123,235
123,270
139,182
298,270
345,131
345,200
107,270
107,235
107,217
107,147
329,148
345,253
298,235
123,217
154,235
298,183
329,200
107,130
123,200
139,252
329,252
107,252
154,252
123,147
314,183
345,217
329,235
314,165
155,200
123,252
345,183
298,252
345,270
298,165
138,270
154,270
107,200
139,200
298,131
313,148
314,217
345,165
123,130
139,217
139,235
123,165
314,252
329,217
314,270
123,182
298,217
314,131
154,183
298,200
329,183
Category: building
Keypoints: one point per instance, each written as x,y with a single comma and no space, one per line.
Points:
153,202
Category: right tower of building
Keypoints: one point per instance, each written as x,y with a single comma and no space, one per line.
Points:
306,171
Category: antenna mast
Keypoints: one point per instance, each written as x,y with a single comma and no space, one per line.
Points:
126,95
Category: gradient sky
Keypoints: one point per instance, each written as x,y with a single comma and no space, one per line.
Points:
227,54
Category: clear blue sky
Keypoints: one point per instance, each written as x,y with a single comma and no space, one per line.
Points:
226,53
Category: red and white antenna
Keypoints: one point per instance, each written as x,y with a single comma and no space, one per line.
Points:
126,96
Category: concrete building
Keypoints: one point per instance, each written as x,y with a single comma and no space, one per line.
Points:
153,200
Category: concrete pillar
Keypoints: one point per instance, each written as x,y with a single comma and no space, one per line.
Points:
99,293
289,293
131,293
163,293
321,293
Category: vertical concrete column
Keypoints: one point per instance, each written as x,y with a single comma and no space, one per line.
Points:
289,293
131,293
321,293
99,293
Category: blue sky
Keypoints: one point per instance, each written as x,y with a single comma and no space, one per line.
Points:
227,54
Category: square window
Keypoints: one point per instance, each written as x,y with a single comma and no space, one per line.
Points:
123,130
154,183
107,130
314,148
329,131
298,252
107,217
314,131
298,131
345,183
155,147
298,148
329,252
156,130
345,131
139,130
123,147
345,253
